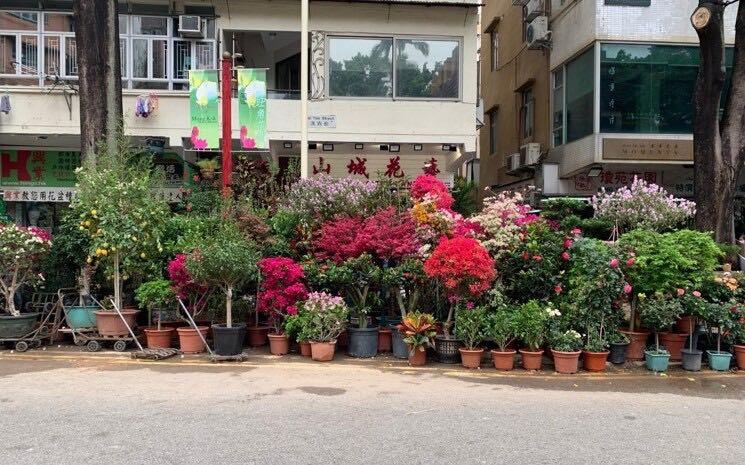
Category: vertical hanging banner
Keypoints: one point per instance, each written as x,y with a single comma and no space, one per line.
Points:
203,105
252,108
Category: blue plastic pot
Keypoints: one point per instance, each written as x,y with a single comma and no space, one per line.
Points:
81,317
719,361
657,361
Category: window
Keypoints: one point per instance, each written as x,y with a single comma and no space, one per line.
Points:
649,88
527,110
629,2
493,131
573,97
557,124
364,67
494,35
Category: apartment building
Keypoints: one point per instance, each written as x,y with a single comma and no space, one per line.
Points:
392,87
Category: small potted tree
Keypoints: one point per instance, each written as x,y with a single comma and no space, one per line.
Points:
531,322
658,313
500,328
694,308
156,295
619,343
404,282
470,326
418,332
566,348
328,318
719,317
296,328
280,290
738,334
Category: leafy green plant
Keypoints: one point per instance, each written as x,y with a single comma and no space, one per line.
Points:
721,315
531,321
465,193
470,326
155,295
405,281
567,341
418,330
297,327
658,313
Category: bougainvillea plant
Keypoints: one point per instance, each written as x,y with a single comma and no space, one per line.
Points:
196,295
21,251
428,185
281,288
339,239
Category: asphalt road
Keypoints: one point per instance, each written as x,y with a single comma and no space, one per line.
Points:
73,408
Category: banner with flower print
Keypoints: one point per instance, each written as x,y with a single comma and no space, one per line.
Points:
252,108
203,107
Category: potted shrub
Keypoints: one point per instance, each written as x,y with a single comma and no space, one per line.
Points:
694,308
720,316
565,347
500,328
531,322
404,282
738,334
672,340
227,261
595,353
658,313
619,343
470,325
418,332
207,167
156,295
21,252
280,289
327,319
195,297
296,328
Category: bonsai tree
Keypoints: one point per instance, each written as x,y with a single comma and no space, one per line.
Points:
155,295
116,206
720,316
470,325
531,322
418,331
280,289
405,282
21,251
659,313
327,316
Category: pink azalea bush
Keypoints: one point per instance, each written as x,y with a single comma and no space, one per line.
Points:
426,184
281,289
503,220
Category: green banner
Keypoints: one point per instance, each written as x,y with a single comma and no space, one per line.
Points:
203,106
252,108
28,168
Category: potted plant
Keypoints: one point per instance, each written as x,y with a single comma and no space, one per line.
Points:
619,343
280,290
156,295
674,341
327,319
227,261
21,251
694,308
418,332
566,348
658,313
207,167
500,328
404,282
595,353
296,328
470,325
195,296
738,334
531,322
719,316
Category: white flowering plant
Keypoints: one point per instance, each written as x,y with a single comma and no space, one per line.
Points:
328,316
503,219
21,251
567,341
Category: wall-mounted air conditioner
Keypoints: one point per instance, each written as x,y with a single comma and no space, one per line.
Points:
513,162
190,26
530,154
537,34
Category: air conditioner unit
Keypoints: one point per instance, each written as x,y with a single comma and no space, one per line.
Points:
530,154
190,26
513,162
537,34
533,9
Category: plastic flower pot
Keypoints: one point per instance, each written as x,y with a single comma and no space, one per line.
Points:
503,361
111,325
81,317
691,359
322,351
159,338
674,343
12,327
400,348
719,361
566,363
229,341
417,357
618,352
279,344
447,349
385,339
740,356
657,361
257,335
189,340
304,349
531,360
594,361
638,343
685,324
363,342
471,358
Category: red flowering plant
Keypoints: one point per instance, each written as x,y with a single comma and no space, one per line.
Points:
196,295
340,239
281,289
464,268
428,185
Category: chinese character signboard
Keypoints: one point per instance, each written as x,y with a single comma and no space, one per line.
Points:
27,168
203,107
252,108
387,165
648,149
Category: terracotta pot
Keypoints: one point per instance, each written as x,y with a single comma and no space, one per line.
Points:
159,338
189,339
417,358
304,349
385,339
531,360
471,358
595,361
566,362
109,323
504,361
674,343
740,356
322,351
257,335
637,344
279,344
685,324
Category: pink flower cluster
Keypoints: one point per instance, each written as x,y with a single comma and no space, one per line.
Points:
181,281
426,184
281,287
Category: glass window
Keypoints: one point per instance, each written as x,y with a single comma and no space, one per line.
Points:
29,55
7,54
123,20
558,105
427,68
181,59
493,132
360,67
150,25
527,109
205,55
579,96
123,56
71,57
19,21
160,59
59,22
494,50
52,49
139,58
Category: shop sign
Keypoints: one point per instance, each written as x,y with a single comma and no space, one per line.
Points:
368,166
38,168
66,194
611,180
252,108
647,149
322,121
203,109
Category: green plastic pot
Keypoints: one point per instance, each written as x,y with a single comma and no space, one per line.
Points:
719,361
81,317
657,361
15,327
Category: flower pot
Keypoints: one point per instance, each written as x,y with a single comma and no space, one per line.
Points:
566,362
595,361
363,342
719,361
279,344
189,339
229,341
343,340
691,359
674,343
657,361
740,356
447,349
110,324
304,349
471,358
618,352
637,344
531,360
400,348
81,317
504,361
159,338
13,327
322,351
385,339
418,357
686,324
257,335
